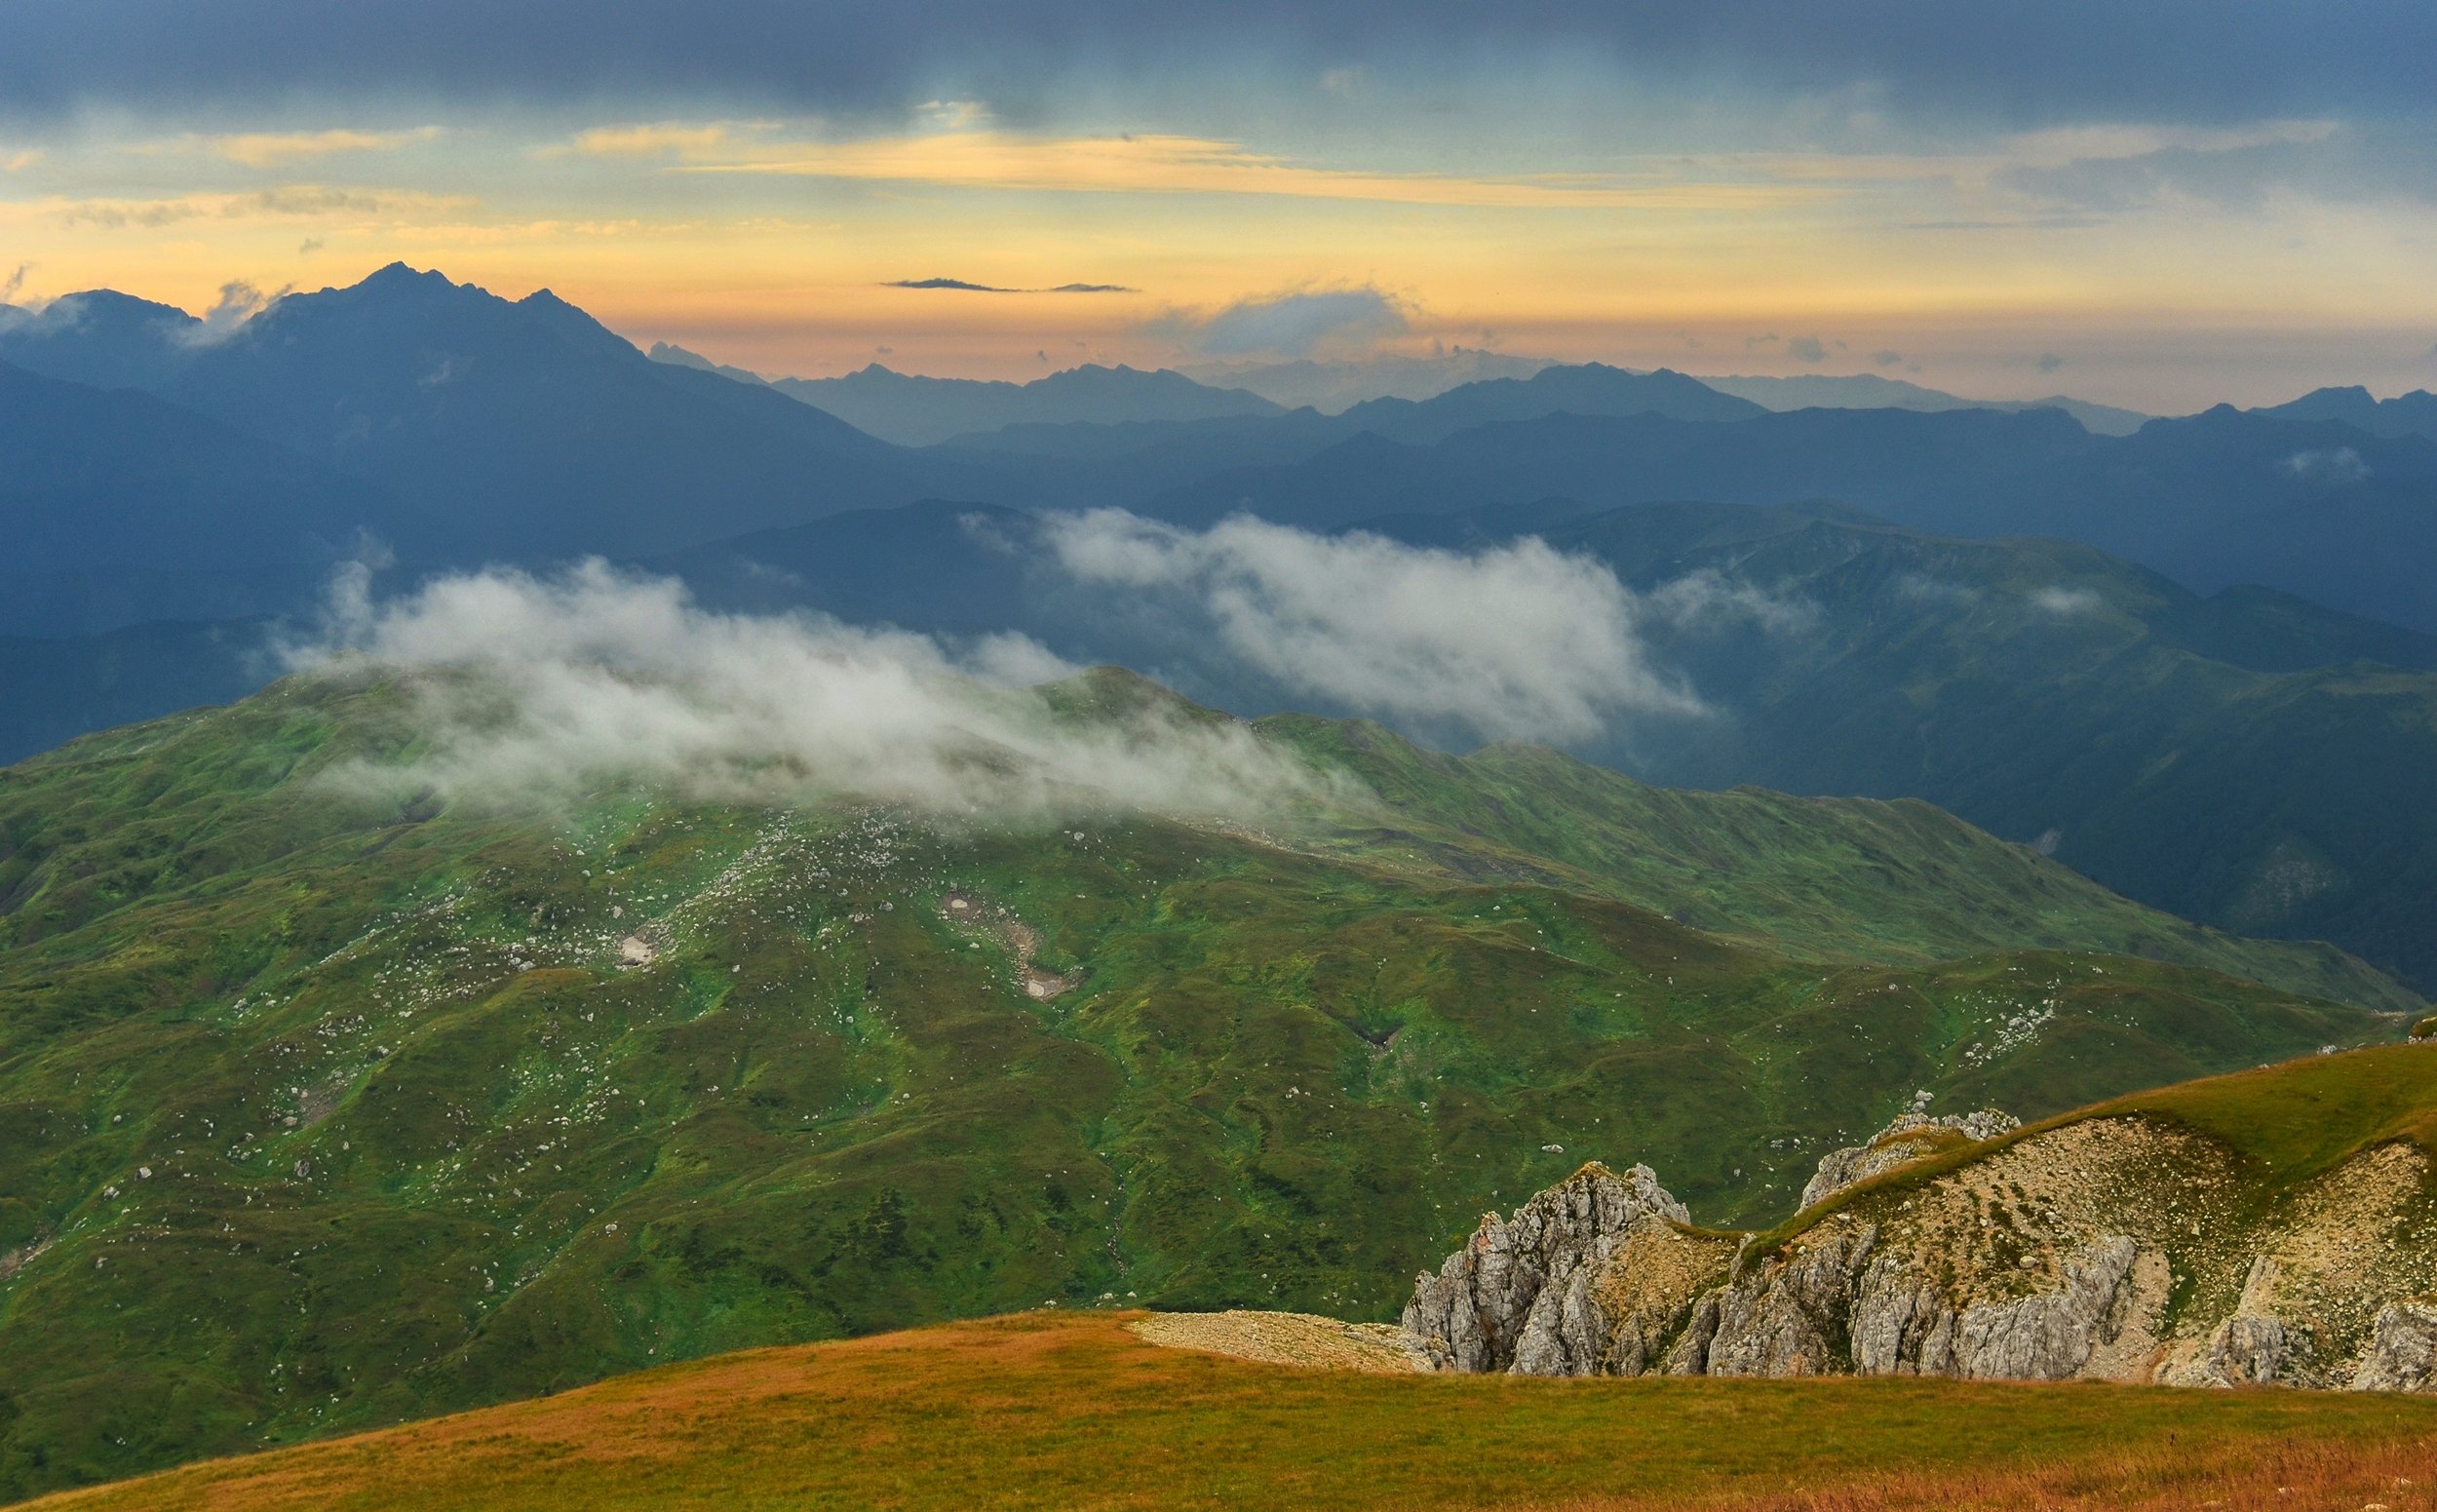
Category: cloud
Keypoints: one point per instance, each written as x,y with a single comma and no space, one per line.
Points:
285,202
2341,465
23,158
1810,349
2067,602
1886,358
239,303
1517,640
540,689
1921,588
1708,600
2048,361
1338,322
954,115
2033,64
665,138
272,149
1140,162
966,286
2103,169
14,282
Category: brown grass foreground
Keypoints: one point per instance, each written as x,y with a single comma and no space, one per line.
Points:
1074,1412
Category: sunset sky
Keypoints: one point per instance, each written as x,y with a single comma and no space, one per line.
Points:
2201,202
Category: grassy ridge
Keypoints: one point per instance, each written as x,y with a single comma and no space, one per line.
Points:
1044,1411
318,1112
1821,878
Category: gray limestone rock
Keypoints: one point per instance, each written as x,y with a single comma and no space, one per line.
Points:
2402,1353
1787,1318
2253,1346
2050,1334
1518,1295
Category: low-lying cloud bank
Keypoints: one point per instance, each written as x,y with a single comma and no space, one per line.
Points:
595,678
560,685
1517,641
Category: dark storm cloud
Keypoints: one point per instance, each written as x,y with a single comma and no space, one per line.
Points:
2017,62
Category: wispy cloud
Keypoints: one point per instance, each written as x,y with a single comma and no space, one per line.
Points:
1299,322
2340,465
278,149
1196,165
962,285
1518,640
287,202
2066,602
2099,141
23,158
670,138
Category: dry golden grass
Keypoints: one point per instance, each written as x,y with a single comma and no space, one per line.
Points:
1075,1412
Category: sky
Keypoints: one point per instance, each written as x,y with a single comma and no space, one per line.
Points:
2160,205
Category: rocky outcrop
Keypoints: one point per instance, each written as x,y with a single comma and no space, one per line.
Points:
1913,1135
1518,1295
2251,1348
1839,1302
2402,1355
2049,1258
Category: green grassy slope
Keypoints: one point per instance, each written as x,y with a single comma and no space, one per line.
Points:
2248,760
317,1112
1826,878
1071,1410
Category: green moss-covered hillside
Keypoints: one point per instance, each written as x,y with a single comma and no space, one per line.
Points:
319,1111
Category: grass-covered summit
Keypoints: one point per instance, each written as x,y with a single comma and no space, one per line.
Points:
324,1103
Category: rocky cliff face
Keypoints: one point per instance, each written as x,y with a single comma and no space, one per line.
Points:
2113,1248
1517,1296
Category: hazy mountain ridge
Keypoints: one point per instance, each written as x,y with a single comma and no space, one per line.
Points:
2316,508
2405,414
909,409
453,400
97,481
1872,391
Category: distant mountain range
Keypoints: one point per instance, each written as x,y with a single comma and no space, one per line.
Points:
488,429
2407,414
1870,391
157,470
2313,508
910,410
914,412
1332,387
462,427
